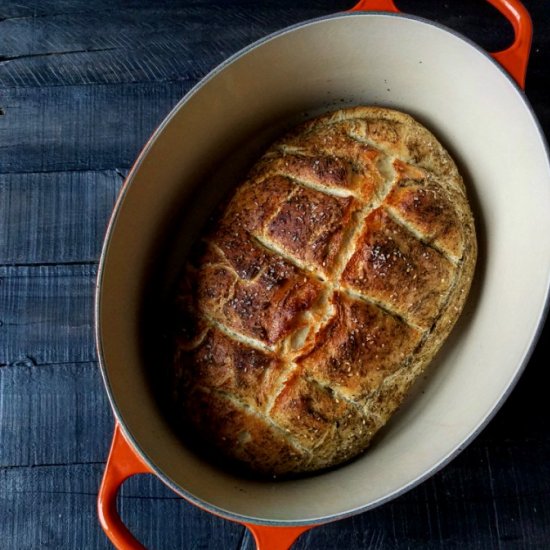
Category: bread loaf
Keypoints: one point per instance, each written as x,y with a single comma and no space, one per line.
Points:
322,292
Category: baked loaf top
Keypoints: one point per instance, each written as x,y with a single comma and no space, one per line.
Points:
323,290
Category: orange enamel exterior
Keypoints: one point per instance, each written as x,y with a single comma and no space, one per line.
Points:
124,461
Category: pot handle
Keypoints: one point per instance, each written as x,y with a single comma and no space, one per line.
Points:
515,58
123,462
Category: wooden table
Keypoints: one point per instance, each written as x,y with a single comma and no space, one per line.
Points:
82,86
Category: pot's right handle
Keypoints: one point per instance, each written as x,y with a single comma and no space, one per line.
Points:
515,58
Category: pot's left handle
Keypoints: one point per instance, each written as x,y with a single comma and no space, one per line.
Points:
123,462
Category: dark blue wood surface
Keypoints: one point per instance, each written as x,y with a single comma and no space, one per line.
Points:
82,86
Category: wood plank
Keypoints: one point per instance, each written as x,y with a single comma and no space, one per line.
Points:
81,127
168,61
33,9
135,45
47,314
55,507
55,217
65,402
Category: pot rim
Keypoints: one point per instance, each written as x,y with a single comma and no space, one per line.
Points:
214,509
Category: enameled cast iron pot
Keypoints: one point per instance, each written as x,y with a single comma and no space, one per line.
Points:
473,102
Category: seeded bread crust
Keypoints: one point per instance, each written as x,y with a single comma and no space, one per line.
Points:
323,291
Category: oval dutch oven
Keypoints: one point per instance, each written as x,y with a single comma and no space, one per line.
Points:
474,103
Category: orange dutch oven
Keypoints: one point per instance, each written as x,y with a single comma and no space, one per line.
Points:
473,101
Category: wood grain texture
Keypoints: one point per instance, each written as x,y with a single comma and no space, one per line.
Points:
81,127
53,401
57,217
157,43
47,314
82,86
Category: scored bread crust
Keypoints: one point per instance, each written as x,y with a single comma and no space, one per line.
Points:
322,292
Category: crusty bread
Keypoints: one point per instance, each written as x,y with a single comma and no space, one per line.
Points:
330,281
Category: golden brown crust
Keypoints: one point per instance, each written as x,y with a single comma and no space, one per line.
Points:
397,270
325,288
358,347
